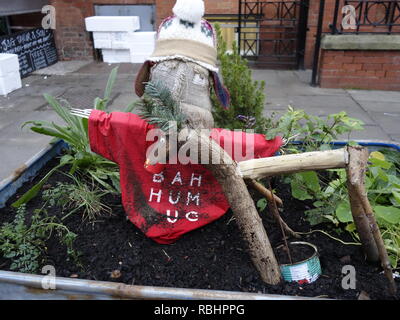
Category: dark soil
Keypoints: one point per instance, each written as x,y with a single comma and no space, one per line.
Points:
213,257
297,253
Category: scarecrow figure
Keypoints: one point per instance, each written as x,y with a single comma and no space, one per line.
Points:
185,61
169,202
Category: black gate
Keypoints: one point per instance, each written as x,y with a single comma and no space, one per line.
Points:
272,34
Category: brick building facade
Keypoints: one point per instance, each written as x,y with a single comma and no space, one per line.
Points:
345,68
73,42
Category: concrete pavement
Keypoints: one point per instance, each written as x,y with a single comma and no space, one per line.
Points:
379,110
81,83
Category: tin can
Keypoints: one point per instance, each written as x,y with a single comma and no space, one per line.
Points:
306,271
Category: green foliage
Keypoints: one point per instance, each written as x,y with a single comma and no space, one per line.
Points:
78,195
247,95
25,243
332,205
79,156
262,204
158,107
315,132
102,103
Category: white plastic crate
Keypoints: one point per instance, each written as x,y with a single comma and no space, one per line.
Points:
142,47
10,82
143,36
112,24
8,64
103,44
116,56
102,35
139,58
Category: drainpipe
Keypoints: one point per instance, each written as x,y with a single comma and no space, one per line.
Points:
318,43
239,29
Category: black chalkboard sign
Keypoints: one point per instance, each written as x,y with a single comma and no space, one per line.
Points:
35,49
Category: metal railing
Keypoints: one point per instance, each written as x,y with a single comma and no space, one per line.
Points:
366,16
273,32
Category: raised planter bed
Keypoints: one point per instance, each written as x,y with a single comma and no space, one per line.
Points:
210,262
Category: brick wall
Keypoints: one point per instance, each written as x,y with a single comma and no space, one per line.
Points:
376,13
73,42
379,70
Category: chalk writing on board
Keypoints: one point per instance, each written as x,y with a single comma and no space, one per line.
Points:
35,49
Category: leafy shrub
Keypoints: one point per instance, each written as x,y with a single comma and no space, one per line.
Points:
247,95
314,132
24,243
332,204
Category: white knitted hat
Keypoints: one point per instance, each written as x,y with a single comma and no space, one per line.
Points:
189,10
187,35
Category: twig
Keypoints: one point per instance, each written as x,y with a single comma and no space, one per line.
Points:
264,191
275,211
332,237
169,258
81,113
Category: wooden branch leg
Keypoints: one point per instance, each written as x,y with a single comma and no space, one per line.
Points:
358,158
361,204
385,262
244,210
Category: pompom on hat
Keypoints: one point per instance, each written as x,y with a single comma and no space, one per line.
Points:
189,10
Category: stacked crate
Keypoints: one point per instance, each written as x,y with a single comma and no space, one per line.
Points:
10,78
118,39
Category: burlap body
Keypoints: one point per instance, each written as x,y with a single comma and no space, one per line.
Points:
189,84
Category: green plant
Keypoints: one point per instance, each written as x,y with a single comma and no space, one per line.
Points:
332,205
78,195
25,243
79,155
247,96
315,132
158,107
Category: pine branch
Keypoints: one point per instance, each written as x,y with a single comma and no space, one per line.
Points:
158,107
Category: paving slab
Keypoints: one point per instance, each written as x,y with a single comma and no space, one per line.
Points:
105,68
395,137
63,67
17,145
22,104
370,132
281,84
122,101
374,106
390,122
322,106
375,95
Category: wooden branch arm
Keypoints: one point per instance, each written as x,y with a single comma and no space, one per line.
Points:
309,161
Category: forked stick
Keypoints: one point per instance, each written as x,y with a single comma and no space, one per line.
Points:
264,191
272,205
85,113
